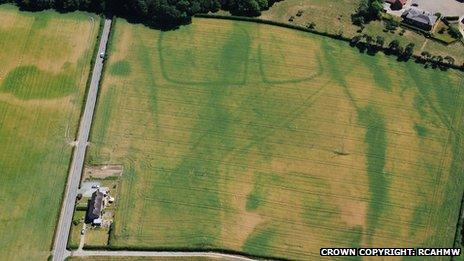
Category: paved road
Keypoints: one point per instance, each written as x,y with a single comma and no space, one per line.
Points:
161,254
67,209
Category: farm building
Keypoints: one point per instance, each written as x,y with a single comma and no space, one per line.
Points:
95,207
419,18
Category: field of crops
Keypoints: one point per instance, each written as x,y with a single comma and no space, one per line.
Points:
43,74
274,142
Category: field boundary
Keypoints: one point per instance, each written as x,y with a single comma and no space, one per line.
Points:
167,254
269,22
212,251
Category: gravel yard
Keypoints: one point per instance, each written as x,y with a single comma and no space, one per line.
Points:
445,7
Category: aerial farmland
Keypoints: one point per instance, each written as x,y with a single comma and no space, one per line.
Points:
233,138
42,82
231,130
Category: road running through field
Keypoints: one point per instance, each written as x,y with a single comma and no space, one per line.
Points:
75,171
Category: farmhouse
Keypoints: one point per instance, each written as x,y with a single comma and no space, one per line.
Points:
95,207
419,18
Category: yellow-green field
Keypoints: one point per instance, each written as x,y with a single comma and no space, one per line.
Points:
45,60
274,142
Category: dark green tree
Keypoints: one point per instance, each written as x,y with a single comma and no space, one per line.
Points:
396,6
408,51
311,25
393,46
245,7
426,54
357,20
380,41
454,32
368,10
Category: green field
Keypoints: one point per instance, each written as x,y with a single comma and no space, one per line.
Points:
43,74
275,142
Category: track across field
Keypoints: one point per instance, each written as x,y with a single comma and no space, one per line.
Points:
43,73
273,142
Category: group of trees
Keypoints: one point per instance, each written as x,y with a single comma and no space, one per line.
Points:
365,42
436,60
368,10
247,7
403,53
374,45
158,13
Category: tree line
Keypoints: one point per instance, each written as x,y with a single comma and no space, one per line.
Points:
156,13
371,45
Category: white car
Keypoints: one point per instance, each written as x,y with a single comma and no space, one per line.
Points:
102,55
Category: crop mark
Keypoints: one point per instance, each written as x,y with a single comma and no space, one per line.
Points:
167,77
313,75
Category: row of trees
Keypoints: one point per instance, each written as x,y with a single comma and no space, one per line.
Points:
373,45
157,13
436,60
365,42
